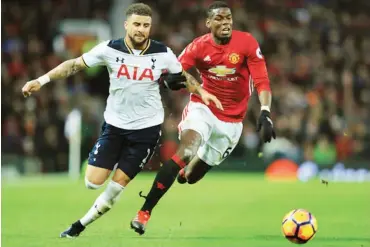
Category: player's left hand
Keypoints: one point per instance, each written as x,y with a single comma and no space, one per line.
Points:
208,98
265,124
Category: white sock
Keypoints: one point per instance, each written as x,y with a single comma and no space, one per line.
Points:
103,203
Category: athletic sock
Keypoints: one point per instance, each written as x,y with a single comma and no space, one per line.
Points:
162,182
103,203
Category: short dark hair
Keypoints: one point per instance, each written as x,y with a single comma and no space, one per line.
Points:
216,5
139,9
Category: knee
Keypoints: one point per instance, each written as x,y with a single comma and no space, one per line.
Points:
93,185
188,154
95,177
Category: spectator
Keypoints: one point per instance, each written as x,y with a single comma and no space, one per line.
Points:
317,53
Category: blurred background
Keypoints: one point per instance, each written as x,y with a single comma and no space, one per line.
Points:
318,59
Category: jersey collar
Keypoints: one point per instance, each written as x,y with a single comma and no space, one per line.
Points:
142,52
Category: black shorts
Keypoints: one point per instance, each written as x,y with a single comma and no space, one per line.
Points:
131,149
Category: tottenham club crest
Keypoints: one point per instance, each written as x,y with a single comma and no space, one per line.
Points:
234,58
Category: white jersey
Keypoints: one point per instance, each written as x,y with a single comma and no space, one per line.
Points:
134,101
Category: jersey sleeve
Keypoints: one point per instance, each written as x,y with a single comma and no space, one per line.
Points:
188,56
257,65
172,63
95,56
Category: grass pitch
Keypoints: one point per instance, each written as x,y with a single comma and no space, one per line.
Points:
223,210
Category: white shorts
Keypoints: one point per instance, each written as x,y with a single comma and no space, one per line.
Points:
219,138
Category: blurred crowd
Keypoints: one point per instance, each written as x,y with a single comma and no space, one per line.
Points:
318,59
317,54
33,128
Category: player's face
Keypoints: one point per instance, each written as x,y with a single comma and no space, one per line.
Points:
221,23
138,29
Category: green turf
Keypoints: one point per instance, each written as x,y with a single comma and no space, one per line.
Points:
225,210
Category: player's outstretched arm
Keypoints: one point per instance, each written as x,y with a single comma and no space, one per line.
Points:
180,80
63,70
258,71
194,86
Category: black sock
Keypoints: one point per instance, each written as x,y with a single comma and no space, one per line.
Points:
78,225
162,182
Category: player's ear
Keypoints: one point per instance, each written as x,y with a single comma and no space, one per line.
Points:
208,23
126,24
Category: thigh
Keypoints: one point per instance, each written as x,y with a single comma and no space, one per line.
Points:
138,150
197,117
224,138
107,150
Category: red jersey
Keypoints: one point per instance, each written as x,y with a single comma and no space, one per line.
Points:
230,72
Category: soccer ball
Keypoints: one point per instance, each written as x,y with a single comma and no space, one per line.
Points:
299,226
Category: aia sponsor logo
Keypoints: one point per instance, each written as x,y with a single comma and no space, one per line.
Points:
135,73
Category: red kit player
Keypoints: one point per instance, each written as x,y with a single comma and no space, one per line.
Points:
231,66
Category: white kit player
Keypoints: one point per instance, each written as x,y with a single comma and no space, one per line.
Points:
134,111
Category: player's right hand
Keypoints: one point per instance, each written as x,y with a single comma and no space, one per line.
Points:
30,87
207,98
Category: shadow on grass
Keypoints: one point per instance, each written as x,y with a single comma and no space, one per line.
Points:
256,237
320,238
